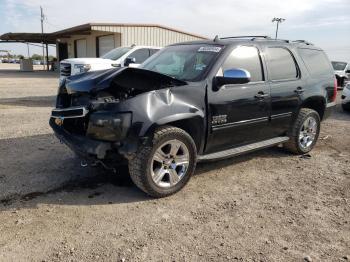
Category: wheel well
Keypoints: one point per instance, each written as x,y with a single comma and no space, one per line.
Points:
193,127
316,104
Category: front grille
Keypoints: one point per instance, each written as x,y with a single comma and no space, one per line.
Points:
71,112
65,69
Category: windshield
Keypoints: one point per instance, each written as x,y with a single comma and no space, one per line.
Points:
339,66
116,53
184,62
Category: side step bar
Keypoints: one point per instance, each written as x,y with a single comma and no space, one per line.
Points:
243,149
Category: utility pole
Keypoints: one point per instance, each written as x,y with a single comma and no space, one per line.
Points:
42,17
278,21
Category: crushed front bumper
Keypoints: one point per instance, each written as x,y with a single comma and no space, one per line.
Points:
90,134
81,145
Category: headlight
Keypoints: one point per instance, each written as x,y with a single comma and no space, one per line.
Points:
82,68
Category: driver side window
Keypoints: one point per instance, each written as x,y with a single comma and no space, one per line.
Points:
248,58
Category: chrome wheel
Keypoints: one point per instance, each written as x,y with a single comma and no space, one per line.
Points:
169,163
308,132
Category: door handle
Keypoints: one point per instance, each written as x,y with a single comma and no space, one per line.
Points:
261,95
299,90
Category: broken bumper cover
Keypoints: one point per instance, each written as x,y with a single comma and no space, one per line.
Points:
103,130
81,145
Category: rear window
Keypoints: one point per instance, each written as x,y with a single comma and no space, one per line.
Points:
281,64
316,62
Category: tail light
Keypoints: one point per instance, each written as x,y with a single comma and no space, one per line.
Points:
334,97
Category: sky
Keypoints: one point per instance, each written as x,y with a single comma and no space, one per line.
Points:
326,23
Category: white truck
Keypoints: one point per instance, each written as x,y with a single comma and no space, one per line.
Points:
122,56
342,72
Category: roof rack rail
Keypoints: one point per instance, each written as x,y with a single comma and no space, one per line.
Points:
303,42
253,37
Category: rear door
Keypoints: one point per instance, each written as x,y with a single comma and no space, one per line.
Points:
286,85
239,113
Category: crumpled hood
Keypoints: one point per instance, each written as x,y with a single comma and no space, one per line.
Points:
100,80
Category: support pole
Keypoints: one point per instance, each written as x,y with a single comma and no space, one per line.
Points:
47,56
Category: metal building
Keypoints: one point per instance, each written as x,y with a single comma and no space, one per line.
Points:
96,39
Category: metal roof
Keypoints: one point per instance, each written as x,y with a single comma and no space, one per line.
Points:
85,29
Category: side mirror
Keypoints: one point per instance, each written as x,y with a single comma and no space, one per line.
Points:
129,60
232,76
347,71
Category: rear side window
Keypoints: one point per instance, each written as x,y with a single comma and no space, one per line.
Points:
281,64
245,57
316,62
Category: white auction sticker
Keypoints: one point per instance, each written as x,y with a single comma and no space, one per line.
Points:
215,49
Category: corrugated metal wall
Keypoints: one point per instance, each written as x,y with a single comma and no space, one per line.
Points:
147,35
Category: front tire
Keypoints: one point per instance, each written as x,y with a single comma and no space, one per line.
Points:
305,132
164,167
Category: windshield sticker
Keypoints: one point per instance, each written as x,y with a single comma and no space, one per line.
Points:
214,49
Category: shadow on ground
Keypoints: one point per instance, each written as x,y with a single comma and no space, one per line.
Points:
30,101
39,166
10,73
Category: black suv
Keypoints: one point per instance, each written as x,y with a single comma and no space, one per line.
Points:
197,101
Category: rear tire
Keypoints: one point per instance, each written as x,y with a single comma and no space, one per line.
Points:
304,132
164,167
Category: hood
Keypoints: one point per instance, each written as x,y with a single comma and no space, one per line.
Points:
90,61
116,79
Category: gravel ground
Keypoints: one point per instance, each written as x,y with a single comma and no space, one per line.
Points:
264,206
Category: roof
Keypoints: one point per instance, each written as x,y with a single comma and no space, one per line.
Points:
85,28
28,37
50,38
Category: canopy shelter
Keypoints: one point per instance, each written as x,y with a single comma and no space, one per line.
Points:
45,39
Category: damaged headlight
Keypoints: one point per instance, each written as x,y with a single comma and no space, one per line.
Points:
107,126
82,68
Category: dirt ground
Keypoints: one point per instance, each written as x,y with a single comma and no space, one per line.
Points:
264,206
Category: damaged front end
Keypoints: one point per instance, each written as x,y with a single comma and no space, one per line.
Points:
98,116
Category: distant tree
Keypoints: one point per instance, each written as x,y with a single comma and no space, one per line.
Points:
36,57
20,57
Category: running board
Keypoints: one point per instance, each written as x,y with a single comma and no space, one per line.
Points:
243,149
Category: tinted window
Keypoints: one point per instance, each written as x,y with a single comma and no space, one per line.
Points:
153,51
281,64
140,55
245,57
316,62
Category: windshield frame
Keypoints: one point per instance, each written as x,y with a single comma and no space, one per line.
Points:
205,72
125,49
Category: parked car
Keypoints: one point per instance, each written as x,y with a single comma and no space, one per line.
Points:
118,57
346,97
197,101
342,72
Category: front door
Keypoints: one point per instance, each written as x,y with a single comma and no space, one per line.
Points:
239,114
